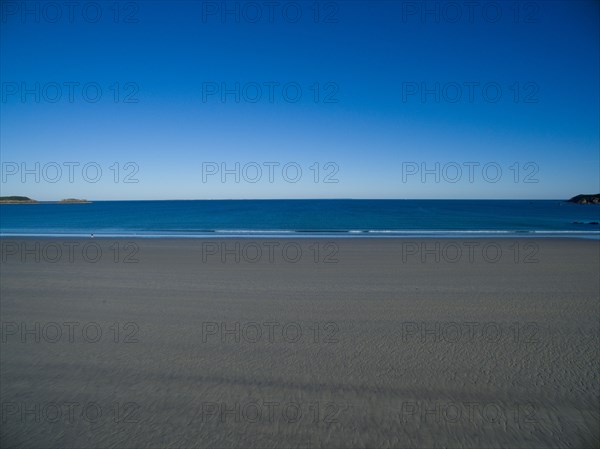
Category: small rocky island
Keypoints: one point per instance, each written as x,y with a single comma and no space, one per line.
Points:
27,200
73,200
586,199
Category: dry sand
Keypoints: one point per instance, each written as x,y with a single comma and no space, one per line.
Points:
377,348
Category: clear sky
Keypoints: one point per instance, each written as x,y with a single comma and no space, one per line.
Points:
373,93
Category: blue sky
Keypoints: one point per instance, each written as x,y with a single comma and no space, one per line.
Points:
532,73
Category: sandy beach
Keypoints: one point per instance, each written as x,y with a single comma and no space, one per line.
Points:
300,343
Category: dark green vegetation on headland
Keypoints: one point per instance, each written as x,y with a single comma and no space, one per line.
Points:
16,199
586,199
27,200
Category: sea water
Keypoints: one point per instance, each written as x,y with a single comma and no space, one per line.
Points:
268,218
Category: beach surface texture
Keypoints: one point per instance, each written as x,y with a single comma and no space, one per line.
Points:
335,343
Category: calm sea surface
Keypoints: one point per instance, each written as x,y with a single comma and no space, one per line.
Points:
351,218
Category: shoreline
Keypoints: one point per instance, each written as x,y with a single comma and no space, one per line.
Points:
345,235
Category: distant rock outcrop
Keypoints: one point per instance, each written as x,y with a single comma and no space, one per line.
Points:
16,199
586,199
27,200
73,200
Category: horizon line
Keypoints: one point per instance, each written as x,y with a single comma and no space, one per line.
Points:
324,199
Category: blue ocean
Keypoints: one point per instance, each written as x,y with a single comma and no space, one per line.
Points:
297,218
